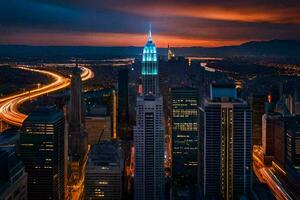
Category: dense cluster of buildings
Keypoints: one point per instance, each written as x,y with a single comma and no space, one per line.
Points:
86,151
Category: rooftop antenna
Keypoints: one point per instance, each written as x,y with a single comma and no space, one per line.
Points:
150,34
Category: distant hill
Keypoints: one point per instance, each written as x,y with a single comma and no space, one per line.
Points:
273,48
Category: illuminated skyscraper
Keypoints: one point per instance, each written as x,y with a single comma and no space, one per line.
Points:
150,68
225,139
42,152
77,135
184,140
148,131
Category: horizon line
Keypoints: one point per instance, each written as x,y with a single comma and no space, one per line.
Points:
124,46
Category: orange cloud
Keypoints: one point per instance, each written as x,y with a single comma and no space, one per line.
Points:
243,14
108,39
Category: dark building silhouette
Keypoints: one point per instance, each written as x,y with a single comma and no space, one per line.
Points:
258,109
42,152
271,123
293,144
225,138
123,116
184,140
13,178
279,143
77,135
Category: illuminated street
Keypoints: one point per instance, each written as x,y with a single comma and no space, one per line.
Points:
75,190
266,175
9,105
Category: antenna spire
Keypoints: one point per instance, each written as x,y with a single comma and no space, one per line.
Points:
150,34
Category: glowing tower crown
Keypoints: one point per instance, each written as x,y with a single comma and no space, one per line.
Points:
150,68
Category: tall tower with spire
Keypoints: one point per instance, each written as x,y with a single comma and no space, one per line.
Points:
148,131
77,135
150,68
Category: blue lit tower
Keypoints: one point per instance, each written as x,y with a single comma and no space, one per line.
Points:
150,68
148,132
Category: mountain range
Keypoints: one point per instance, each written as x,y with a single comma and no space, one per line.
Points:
272,48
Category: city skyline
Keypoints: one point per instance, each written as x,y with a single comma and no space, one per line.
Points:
189,23
115,108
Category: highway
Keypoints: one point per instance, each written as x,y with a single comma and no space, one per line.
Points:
266,175
9,105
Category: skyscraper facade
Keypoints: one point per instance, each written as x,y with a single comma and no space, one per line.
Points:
258,108
104,172
293,146
225,139
123,116
42,152
271,123
184,139
148,131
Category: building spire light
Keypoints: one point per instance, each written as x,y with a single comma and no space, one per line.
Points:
150,34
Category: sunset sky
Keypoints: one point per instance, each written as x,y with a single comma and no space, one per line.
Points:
125,22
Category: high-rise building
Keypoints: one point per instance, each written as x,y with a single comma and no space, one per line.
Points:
279,143
184,139
42,152
271,127
225,138
13,178
258,108
77,136
104,172
148,131
293,146
123,115
296,102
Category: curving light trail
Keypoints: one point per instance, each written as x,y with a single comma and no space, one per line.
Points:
266,175
9,105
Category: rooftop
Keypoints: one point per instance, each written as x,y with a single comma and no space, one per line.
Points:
105,154
96,111
223,91
44,114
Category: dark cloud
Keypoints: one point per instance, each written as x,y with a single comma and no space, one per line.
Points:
215,20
